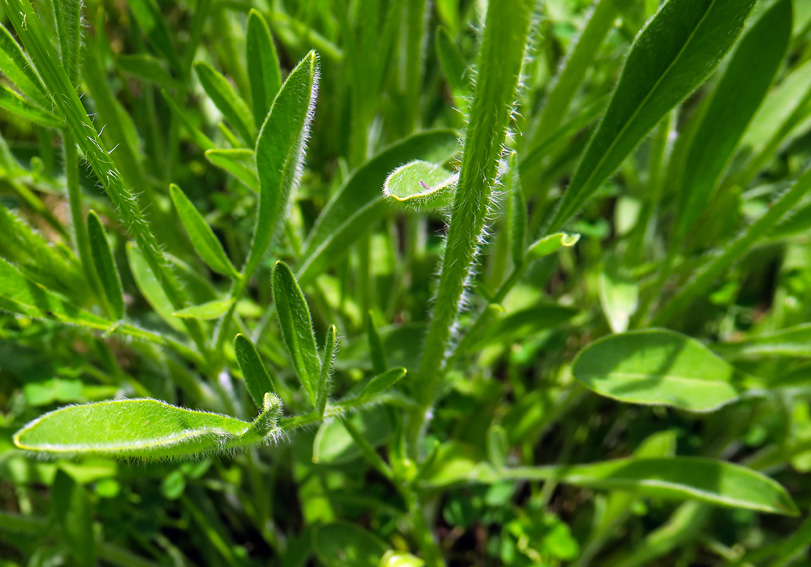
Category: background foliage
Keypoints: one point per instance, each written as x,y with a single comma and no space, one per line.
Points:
596,212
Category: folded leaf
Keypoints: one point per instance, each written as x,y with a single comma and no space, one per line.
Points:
421,186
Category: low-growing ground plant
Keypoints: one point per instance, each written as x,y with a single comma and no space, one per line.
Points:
401,283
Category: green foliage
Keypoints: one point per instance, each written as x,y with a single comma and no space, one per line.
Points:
507,282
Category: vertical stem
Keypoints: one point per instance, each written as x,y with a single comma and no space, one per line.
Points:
499,64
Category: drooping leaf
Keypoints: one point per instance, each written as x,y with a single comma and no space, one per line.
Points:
202,237
421,186
669,59
105,265
263,66
297,328
691,478
659,367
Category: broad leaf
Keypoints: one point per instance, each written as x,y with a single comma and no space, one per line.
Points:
659,367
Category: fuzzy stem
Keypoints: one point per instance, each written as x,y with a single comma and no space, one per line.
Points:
500,59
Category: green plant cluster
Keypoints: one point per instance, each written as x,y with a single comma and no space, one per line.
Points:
402,283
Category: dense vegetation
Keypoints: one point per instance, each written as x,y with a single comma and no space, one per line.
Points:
402,283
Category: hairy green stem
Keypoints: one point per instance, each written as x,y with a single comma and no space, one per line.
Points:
499,63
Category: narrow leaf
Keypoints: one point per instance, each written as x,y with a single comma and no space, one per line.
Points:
16,66
517,212
669,59
239,162
659,367
551,244
14,103
324,380
105,265
381,383
153,24
790,342
209,310
202,237
280,154
297,328
226,99
257,378
263,66
376,348
705,480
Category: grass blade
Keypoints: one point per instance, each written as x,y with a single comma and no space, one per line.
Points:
105,267
660,71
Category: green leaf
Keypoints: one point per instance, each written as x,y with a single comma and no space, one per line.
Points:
324,379
209,310
257,378
454,67
517,212
147,68
355,207
105,266
619,294
524,323
551,244
202,237
14,103
153,24
74,512
226,99
280,154
733,103
140,428
16,66
790,342
334,445
68,16
151,288
668,60
194,132
376,348
692,478
297,328
400,559
379,384
239,162
343,544
659,367
263,66
421,186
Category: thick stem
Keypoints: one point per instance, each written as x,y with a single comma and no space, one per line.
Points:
499,63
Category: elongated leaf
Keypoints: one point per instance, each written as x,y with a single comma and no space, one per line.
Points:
147,68
334,445
202,237
297,328
669,59
257,379
376,348
280,154
139,428
68,16
226,99
524,323
421,186
194,132
517,218
379,384
263,66
74,513
325,378
734,101
105,265
352,211
16,66
151,288
791,342
659,367
239,162
14,103
705,480
454,67
153,24
209,310
619,295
